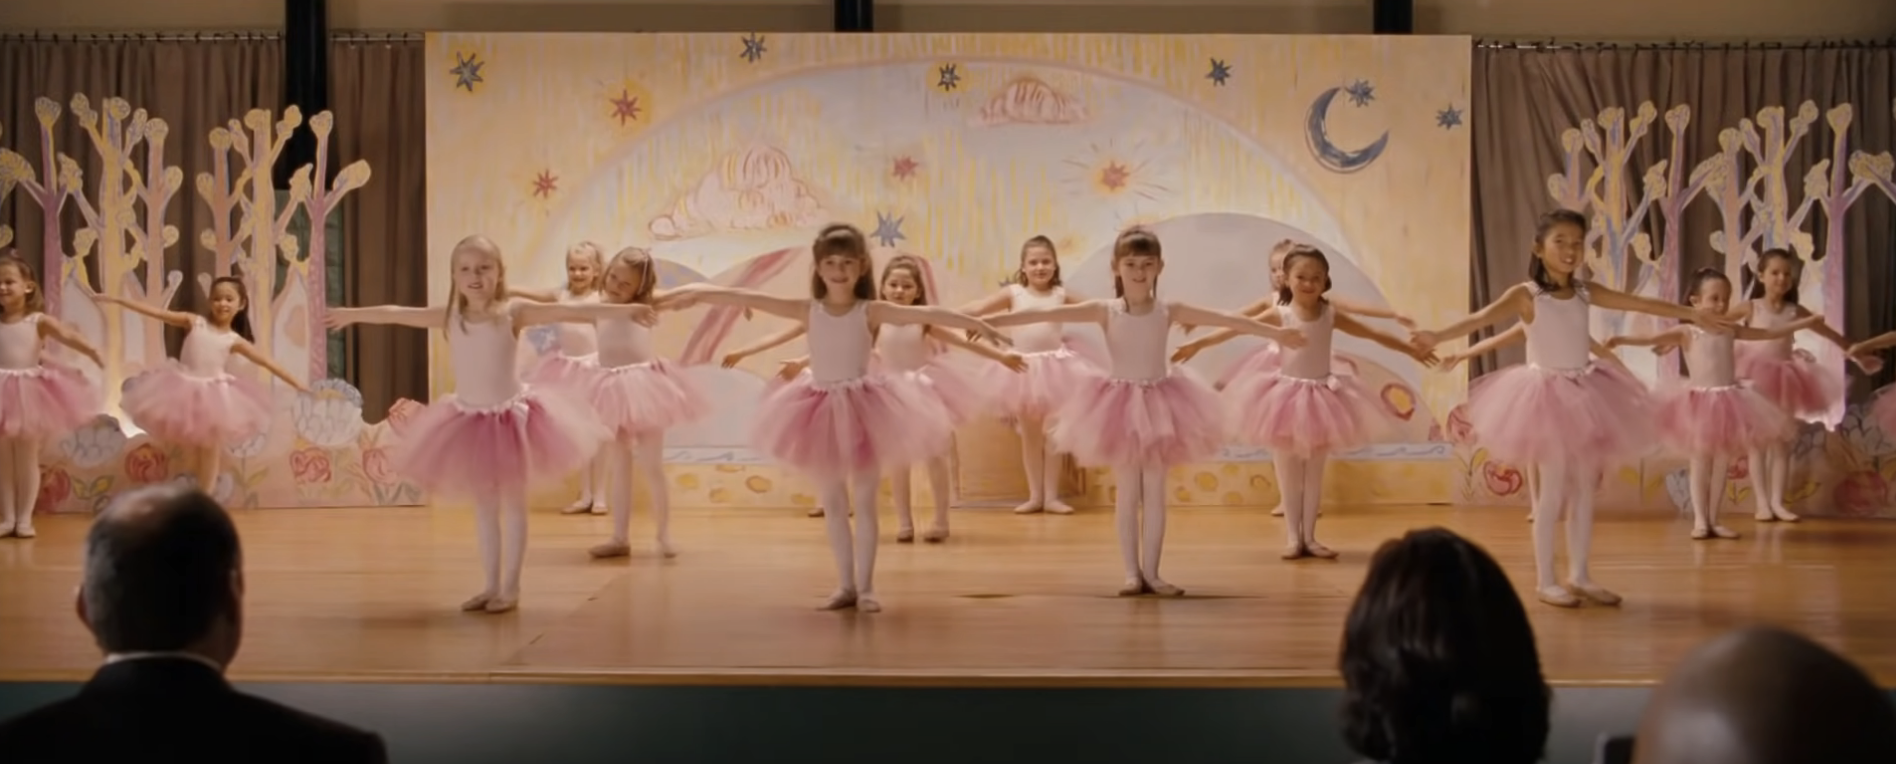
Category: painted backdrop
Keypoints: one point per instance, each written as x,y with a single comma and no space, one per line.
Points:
724,153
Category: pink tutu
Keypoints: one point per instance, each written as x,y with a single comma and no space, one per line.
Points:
46,401
1526,415
835,429
1304,416
535,439
645,397
956,388
1797,384
1114,422
1719,421
175,407
1264,360
1050,380
560,370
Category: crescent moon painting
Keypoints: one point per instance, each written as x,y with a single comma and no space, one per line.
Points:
1328,154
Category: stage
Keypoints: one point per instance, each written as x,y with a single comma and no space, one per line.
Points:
1009,601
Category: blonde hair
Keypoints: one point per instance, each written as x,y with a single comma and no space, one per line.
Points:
597,255
640,258
457,302
35,301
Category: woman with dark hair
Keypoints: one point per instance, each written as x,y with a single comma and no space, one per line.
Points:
1439,663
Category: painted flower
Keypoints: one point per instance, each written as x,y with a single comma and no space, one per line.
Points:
94,445
376,465
330,416
310,466
1679,489
1460,432
248,449
147,464
1501,479
1399,400
401,412
1740,469
55,488
1861,494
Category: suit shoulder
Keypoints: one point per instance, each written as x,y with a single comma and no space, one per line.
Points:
310,729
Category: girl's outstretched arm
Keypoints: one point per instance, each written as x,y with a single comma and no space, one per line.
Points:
172,317
795,309
1515,334
1822,329
1666,339
1255,310
1185,352
1007,358
534,295
1511,304
1811,322
1086,312
390,315
1000,300
933,315
527,313
1873,344
732,358
1353,327
1353,308
1192,314
58,331
1613,299
247,350
1607,356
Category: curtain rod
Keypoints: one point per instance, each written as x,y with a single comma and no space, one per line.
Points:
1686,45
257,36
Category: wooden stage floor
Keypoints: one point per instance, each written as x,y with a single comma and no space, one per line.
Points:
371,595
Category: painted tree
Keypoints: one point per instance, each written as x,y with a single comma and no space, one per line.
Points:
1731,190
48,190
1875,169
1779,224
250,249
9,180
1673,191
320,200
1619,253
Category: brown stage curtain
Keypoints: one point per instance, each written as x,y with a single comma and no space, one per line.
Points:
194,85
376,93
1524,99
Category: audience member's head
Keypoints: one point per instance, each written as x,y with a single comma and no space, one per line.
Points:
163,574
1439,661
1766,696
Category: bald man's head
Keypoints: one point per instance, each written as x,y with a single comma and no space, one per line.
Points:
162,574
1766,696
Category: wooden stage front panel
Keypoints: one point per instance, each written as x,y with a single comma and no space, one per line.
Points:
371,594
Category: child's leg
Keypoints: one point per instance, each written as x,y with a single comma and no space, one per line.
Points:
1052,468
588,479
1312,500
904,512
1554,483
1580,540
1780,472
1700,481
619,482
1152,530
513,533
487,532
648,456
9,505
938,485
25,485
1760,463
1715,496
1290,486
209,458
1033,459
863,495
834,501
1128,486
1533,490
597,475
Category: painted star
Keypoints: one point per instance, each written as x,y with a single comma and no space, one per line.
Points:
1220,71
1361,92
545,184
467,70
1449,118
753,47
625,107
1114,176
888,229
905,168
949,78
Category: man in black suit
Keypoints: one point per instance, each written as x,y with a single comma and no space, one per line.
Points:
163,596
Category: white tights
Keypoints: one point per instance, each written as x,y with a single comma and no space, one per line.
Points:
1139,515
594,485
1300,480
1707,476
1770,467
642,455
500,523
937,485
854,549
1043,465
19,486
1566,490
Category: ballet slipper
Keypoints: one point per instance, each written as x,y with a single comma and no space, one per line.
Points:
936,534
610,549
1319,551
1558,597
1159,587
814,512
1032,506
1764,515
583,506
1133,587
905,536
841,599
1701,533
1596,594
1294,551
1058,507
477,602
666,549
1724,532
600,508
868,603
1784,514
24,531
500,605
1278,512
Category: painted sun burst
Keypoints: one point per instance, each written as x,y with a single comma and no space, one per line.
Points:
1122,177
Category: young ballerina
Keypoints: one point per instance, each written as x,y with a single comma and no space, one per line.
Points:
495,437
1054,370
1712,419
194,401
40,400
1264,359
1302,411
638,396
575,357
843,424
1147,415
1559,412
912,348
1517,334
1882,406
1790,379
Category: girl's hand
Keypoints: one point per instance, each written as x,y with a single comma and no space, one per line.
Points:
1289,338
1718,322
1870,364
1185,352
1662,348
789,370
337,318
1425,357
731,360
1855,350
993,335
1187,328
304,389
643,315
1614,342
1424,340
1452,360
1013,360
1405,322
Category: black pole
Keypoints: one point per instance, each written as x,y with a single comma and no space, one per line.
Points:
305,80
855,15
1394,16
